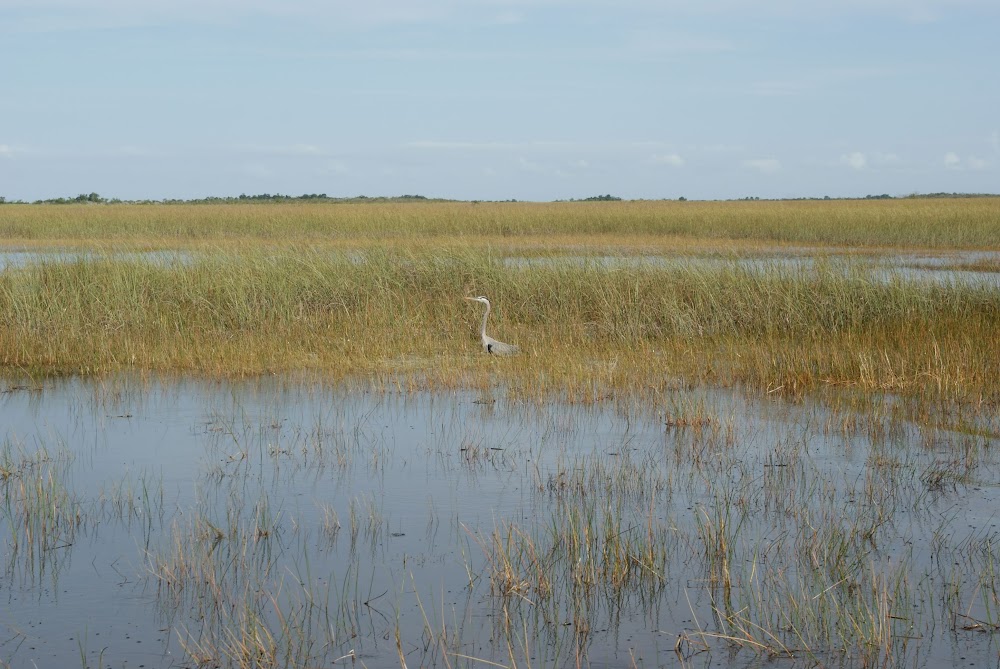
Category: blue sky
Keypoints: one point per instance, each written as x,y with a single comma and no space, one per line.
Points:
499,99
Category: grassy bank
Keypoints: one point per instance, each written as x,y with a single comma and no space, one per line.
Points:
587,328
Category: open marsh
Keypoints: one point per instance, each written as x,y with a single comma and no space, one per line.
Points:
266,436
285,523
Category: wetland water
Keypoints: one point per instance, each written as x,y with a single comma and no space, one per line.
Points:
154,523
950,266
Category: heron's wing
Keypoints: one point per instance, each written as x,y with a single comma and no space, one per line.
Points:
499,348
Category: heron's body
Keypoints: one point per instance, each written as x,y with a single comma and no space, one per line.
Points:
491,345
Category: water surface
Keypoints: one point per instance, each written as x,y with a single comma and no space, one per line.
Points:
170,523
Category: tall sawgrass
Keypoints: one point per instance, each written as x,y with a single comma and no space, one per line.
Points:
586,328
973,222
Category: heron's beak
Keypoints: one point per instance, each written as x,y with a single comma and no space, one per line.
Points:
471,299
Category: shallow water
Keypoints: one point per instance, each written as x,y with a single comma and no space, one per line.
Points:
166,523
14,258
936,267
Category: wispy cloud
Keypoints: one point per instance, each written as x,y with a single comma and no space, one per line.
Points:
671,159
257,170
763,165
526,165
977,163
449,145
335,168
723,148
93,14
778,88
303,150
952,161
77,15
6,151
855,160
133,151
865,160
652,43
538,145
885,159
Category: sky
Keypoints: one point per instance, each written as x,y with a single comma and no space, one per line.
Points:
499,99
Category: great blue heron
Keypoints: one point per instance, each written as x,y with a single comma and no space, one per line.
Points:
491,345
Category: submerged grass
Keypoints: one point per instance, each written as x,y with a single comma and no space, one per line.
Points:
588,330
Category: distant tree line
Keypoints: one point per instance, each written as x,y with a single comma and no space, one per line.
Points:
95,198
601,198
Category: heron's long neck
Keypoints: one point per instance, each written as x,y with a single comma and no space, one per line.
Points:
486,314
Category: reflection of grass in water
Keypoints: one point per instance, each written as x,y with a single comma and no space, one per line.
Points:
246,586
783,557
40,514
134,499
991,265
808,579
601,544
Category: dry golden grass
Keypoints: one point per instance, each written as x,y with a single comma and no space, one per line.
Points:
926,223
603,298
589,329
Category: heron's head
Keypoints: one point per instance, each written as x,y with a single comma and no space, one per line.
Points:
481,298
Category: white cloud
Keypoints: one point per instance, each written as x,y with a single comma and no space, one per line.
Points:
671,159
865,160
763,165
952,161
856,160
6,151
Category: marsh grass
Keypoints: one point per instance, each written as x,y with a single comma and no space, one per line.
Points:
941,223
588,332
793,557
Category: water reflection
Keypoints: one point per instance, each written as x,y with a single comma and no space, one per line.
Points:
13,259
946,267
968,267
167,523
